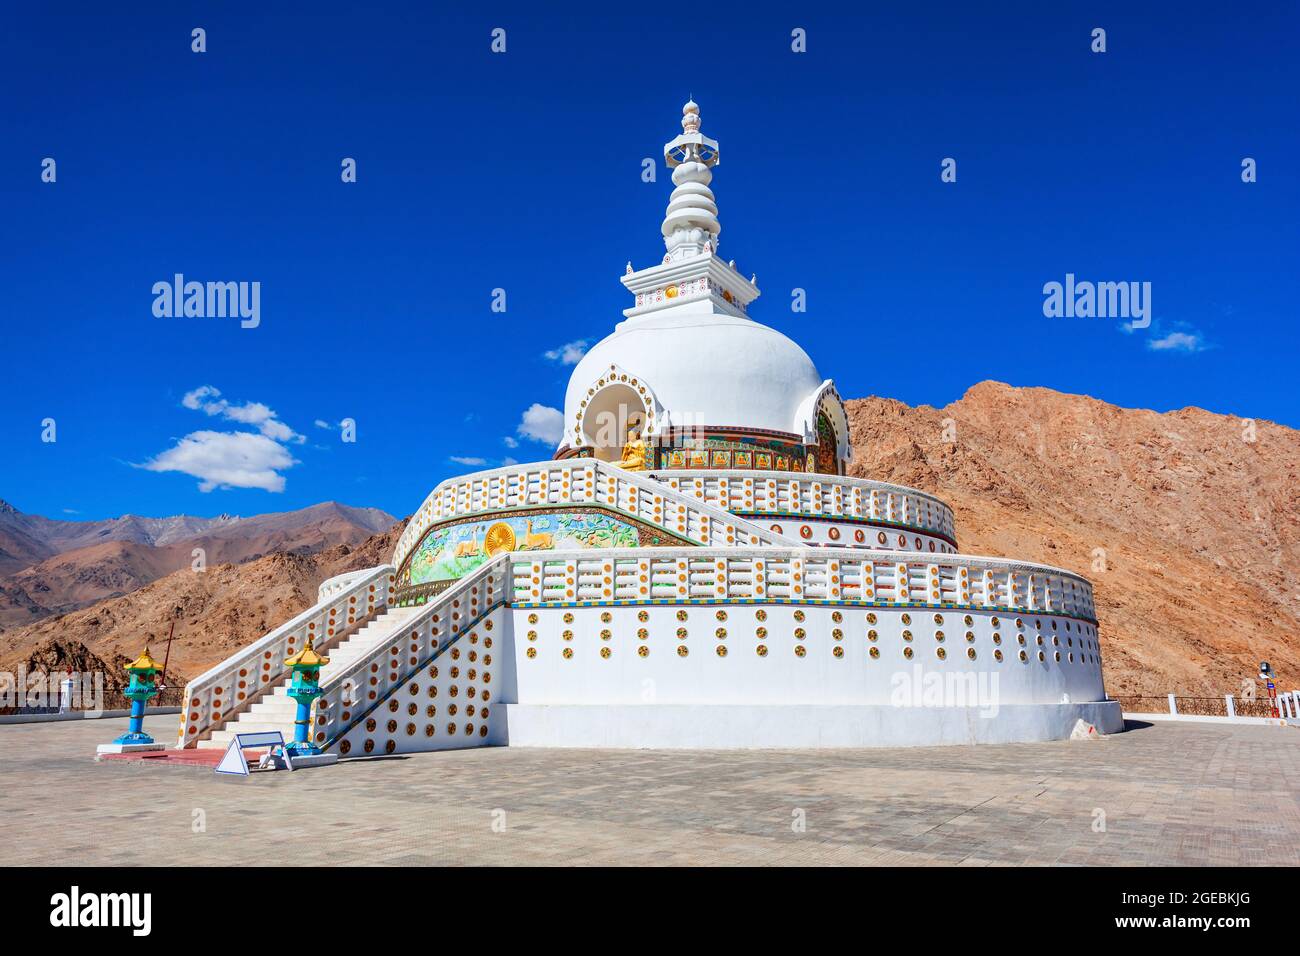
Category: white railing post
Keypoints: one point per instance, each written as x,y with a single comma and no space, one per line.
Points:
1173,705
1232,708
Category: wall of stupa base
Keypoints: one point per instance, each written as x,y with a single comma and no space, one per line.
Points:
755,726
709,653
735,675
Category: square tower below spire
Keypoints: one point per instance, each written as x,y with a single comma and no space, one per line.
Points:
702,283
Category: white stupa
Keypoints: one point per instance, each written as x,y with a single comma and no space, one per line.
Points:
692,569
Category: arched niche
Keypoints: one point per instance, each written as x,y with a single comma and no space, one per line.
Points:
618,407
613,412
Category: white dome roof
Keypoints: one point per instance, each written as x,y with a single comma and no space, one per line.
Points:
704,370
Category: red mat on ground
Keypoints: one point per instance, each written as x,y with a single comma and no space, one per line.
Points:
195,757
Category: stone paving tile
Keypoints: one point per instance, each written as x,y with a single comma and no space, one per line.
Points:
1171,794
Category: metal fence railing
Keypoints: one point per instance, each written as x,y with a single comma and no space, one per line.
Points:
1193,706
109,699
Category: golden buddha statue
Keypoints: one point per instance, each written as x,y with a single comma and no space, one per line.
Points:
634,451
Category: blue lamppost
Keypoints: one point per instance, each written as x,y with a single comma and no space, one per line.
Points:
139,691
304,688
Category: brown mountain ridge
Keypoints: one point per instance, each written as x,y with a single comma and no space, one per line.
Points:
72,564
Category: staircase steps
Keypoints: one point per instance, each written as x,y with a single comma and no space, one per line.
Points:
276,710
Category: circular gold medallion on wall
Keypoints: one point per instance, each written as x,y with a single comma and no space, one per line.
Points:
500,537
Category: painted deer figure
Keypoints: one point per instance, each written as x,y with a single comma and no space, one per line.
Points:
467,549
535,542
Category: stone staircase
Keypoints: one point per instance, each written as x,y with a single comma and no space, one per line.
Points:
276,710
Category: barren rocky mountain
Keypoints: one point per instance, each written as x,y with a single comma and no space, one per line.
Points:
1187,523
216,612
26,539
72,564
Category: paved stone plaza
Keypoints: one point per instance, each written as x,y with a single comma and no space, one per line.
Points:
1171,793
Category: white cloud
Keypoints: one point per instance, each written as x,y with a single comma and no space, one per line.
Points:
467,460
208,399
1178,342
231,459
570,353
542,423
195,398
510,442
227,460
321,423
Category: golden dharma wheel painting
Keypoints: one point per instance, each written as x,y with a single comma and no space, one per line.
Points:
500,537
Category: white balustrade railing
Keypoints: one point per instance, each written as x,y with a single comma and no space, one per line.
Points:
797,574
340,583
1288,705
582,481
351,695
787,494
219,693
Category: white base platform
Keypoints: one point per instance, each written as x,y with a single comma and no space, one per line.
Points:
128,748
305,761
752,727
1205,719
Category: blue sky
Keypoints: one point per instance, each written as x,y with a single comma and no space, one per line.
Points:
522,171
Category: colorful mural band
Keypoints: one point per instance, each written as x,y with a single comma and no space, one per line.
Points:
451,552
737,451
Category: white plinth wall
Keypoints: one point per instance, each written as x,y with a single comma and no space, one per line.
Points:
749,726
722,675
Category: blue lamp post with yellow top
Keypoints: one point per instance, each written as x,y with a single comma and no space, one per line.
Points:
140,690
304,688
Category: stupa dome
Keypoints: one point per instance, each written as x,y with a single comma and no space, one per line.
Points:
704,370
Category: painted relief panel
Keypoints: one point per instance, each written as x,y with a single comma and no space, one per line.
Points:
450,553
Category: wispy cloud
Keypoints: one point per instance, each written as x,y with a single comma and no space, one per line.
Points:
570,353
1178,342
510,442
1171,336
542,423
207,399
468,460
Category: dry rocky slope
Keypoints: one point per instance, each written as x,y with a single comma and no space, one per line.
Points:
1199,532
1199,528
52,567
216,612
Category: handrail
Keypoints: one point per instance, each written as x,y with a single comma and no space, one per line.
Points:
350,695
237,682
340,582
811,495
857,576
582,481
